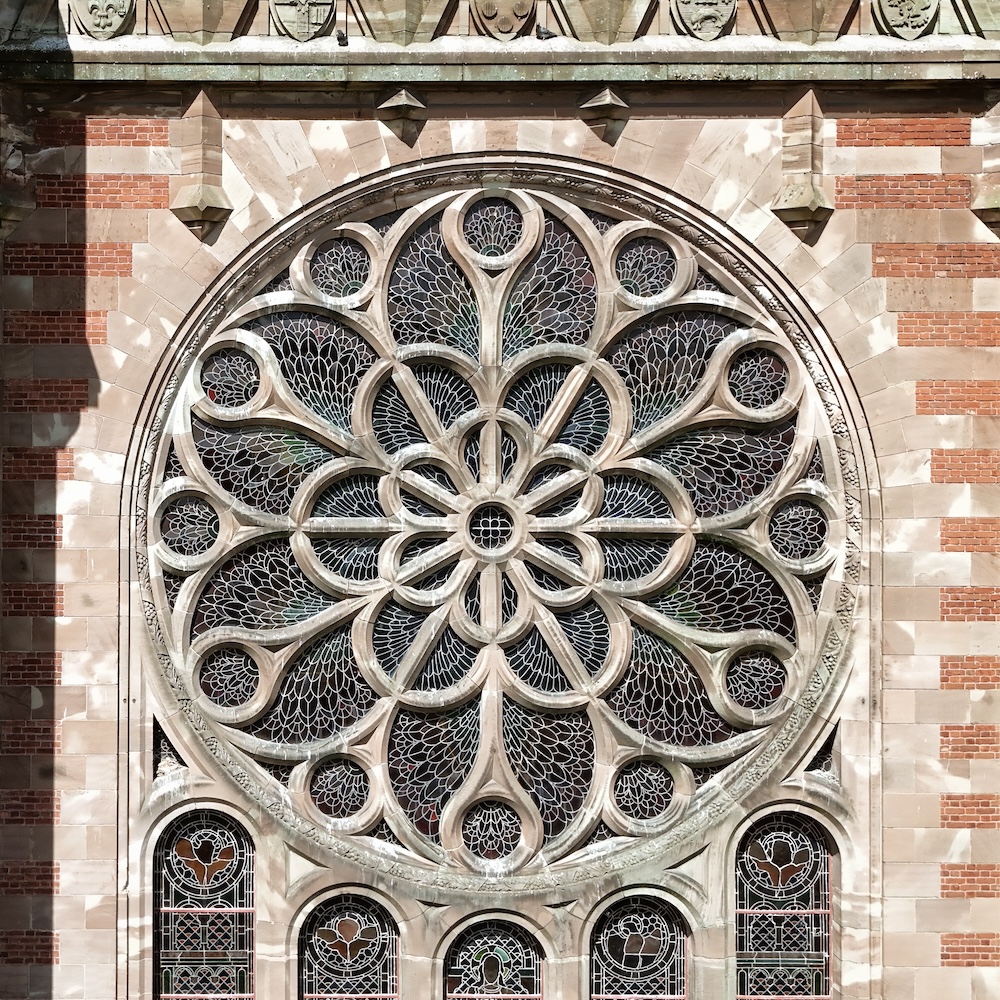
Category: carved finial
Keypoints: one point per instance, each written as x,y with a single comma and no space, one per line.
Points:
801,203
198,198
606,114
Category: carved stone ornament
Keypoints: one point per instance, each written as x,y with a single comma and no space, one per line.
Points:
302,19
704,19
907,19
504,19
103,19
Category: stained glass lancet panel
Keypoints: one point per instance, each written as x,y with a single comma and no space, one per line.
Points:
349,948
783,911
204,919
494,959
638,950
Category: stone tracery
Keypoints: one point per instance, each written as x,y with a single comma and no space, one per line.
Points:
490,472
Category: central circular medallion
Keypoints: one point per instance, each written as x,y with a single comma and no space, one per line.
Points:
491,527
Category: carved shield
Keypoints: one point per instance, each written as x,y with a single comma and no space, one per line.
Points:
103,19
907,19
504,19
302,19
704,19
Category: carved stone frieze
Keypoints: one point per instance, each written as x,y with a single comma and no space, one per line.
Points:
504,19
704,19
103,19
302,19
907,19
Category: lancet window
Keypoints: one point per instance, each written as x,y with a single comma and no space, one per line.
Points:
494,959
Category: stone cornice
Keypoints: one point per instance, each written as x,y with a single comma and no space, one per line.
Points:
663,59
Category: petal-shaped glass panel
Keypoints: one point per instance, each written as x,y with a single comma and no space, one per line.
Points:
589,633
645,266
322,360
553,759
532,660
260,587
395,425
262,467
493,227
430,755
757,378
590,421
352,558
663,360
724,590
628,496
449,661
351,496
555,300
339,787
532,394
643,789
230,378
633,558
393,631
429,299
321,695
724,468
662,696
340,267
446,391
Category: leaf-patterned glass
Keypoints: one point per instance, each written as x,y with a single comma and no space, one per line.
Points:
500,534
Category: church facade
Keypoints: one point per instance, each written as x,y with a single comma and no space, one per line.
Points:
500,499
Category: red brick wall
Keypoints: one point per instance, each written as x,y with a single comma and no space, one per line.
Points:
28,807
970,742
979,397
970,534
948,329
69,260
915,191
102,132
963,811
970,604
970,673
32,947
32,600
102,191
968,949
34,464
935,260
46,395
68,326
29,736
965,465
31,531
25,878
916,131
968,881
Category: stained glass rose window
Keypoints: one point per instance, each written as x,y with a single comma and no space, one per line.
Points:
494,529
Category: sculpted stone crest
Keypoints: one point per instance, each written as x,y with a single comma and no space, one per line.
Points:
302,19
907,19
504,19
103,19
704,19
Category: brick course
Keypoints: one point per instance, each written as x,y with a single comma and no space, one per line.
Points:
102,191
970,534
30,736
32,600
970,949
102,132
970,604
94,260
69,326
46,395
904,131
962,811
980,397
29,878
935,260
968,881
29,947
948,329
28,807
970,673
972,742
32,531
911,191
36,464
965,465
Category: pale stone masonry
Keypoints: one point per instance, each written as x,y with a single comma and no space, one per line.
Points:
102,268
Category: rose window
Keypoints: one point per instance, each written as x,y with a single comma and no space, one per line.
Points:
495,531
